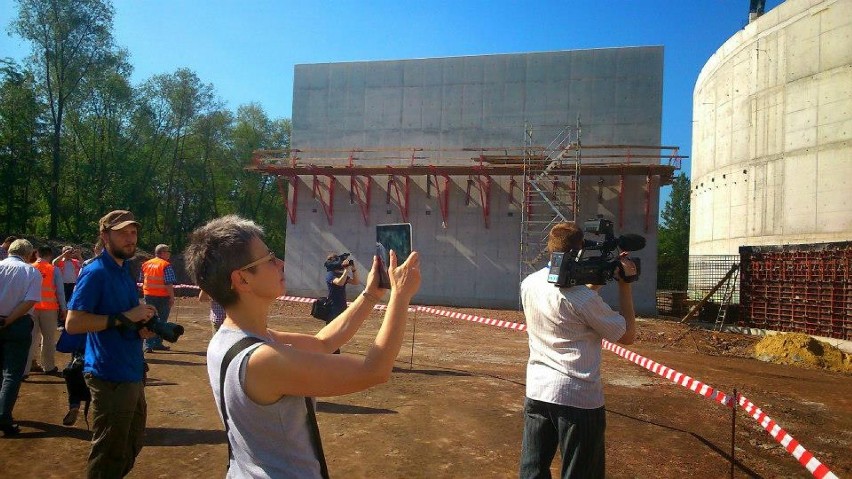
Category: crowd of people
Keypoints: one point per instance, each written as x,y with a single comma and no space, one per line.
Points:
263,380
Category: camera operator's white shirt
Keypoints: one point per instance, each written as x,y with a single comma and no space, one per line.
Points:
565,327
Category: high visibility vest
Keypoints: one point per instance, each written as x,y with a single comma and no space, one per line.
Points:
154,277
48,287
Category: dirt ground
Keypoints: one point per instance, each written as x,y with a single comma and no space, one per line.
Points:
453,408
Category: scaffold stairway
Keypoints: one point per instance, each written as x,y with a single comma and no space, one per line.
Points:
551,182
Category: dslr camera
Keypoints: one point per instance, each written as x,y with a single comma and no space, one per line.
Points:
597,261
168,331
336,262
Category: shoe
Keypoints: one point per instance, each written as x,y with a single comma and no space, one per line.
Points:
36,368
10,430
148,350
71,417
53,372
160,347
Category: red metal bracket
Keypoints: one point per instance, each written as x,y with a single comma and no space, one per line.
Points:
359,189
324,193
443,195
483,184
403,192
648,200
289,195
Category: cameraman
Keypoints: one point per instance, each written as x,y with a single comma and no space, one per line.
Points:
338,276
564,395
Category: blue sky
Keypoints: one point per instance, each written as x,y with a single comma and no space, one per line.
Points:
247,49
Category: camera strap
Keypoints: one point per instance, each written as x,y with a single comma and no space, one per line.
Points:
313,428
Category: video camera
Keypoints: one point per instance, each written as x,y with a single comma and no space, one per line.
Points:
577,267
336,262
168,331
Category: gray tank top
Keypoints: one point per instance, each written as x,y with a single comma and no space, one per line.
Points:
269,441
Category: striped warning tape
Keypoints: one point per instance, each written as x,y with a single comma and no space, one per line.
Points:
805,458
693,385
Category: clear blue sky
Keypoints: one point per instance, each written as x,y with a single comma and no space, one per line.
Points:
247,49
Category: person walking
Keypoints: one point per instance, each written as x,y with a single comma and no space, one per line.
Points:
20,290
46,314
158,279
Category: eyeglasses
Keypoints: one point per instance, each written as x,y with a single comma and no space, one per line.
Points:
268,257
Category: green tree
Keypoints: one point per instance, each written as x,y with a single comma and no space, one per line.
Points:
673,252
71,40
21,133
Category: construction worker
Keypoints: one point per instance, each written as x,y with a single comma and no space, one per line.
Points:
46,312
158,279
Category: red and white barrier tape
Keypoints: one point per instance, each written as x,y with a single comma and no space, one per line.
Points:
807,459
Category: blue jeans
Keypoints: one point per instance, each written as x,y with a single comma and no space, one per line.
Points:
163,310
15,341
578,432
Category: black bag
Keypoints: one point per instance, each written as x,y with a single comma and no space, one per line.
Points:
321,309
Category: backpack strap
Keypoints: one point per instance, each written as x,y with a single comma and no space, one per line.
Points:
315,437
313,428
238,347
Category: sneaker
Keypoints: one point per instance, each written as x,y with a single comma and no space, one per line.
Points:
160,347
71,417
53,372
148,350
10,430
36,368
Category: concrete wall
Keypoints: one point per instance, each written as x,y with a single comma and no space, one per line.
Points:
771,150
464,102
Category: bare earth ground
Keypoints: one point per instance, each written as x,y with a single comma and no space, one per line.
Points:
454,408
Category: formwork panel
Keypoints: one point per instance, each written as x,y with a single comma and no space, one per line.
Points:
801,288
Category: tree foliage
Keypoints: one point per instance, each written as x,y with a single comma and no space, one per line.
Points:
78,138
673,261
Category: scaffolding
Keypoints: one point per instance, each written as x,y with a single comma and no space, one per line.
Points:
548,190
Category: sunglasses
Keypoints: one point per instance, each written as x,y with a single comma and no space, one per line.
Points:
268,257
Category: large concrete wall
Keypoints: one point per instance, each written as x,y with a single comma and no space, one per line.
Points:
465,102
771,150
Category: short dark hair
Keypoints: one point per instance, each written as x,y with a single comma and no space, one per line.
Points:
9,239
564,237
45,251
217,249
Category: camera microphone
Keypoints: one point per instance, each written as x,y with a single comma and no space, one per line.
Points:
631,242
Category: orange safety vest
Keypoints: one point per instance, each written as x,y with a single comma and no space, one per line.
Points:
48,287
154,277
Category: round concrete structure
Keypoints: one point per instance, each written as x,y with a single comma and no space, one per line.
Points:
772,133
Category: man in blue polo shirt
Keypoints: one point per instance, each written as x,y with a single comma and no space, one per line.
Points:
105,303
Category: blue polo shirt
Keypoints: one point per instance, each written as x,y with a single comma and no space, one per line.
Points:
106,288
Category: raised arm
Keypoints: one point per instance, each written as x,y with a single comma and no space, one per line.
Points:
277,370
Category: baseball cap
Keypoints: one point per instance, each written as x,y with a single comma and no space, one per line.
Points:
115,220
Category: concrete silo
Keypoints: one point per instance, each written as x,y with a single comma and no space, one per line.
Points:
772,158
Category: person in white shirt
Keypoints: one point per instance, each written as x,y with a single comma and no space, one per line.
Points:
20,290
564,404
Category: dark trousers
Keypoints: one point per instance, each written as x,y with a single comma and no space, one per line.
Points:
15,341
119,412
578,432
163,310
69,288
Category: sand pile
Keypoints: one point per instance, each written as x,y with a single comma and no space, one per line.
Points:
802,350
